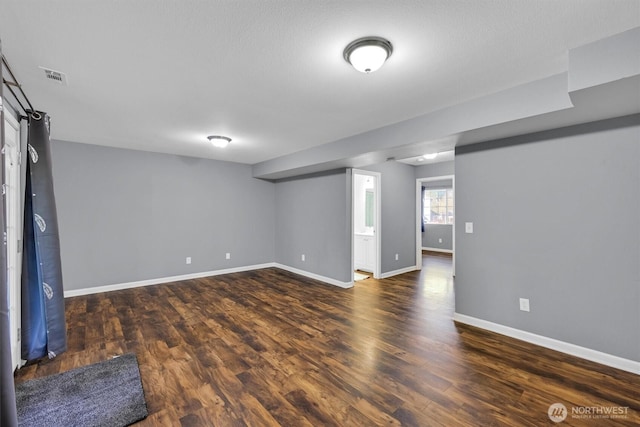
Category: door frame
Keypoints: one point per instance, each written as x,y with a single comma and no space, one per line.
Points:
377,185
419,182
12,179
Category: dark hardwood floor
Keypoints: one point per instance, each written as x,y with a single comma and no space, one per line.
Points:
272,348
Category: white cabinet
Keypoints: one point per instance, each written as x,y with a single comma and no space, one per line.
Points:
364,252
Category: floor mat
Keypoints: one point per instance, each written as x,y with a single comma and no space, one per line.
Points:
107,394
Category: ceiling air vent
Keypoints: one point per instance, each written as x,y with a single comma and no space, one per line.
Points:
55,76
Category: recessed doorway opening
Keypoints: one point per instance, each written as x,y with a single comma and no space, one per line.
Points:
366,234
435,217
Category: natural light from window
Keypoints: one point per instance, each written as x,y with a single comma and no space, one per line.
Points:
438,206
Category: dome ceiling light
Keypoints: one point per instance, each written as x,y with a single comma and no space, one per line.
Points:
368,53
219,141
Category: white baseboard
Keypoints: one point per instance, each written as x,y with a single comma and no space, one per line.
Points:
446,251
561,346
169,279
396,272
159,280
315,276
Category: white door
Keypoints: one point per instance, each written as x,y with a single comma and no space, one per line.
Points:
12,215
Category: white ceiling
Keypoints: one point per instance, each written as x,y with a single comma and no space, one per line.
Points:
442,156
161,75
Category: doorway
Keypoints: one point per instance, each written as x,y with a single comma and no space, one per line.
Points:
365,223
445,224
13,220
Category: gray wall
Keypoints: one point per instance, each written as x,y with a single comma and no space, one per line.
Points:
130,215
398,198
434,232
313,217
555,220
435,169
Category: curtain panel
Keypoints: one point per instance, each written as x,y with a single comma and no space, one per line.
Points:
43,319
422,220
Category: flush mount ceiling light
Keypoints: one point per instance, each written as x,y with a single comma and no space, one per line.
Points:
368,53
219,141
430,156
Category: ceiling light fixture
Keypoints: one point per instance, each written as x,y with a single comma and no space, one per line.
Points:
430,156
219,141
368,53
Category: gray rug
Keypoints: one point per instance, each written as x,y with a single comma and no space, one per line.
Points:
105,394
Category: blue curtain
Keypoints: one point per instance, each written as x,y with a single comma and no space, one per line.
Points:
424,189
43,320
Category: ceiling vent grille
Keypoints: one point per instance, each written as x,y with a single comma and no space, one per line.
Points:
55,76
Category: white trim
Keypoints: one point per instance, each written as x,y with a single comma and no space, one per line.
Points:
149,282
561,346
400,271
13,229
446,251
315,276
419,182
169,279
377,220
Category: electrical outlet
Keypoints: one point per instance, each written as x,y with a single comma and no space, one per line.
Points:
439,240
302,257
524,304
396,257
188,261
228,255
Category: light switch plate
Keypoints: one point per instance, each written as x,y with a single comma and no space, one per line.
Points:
468,227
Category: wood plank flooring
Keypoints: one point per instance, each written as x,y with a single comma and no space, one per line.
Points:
270,348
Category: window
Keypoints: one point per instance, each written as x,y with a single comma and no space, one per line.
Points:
437,206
